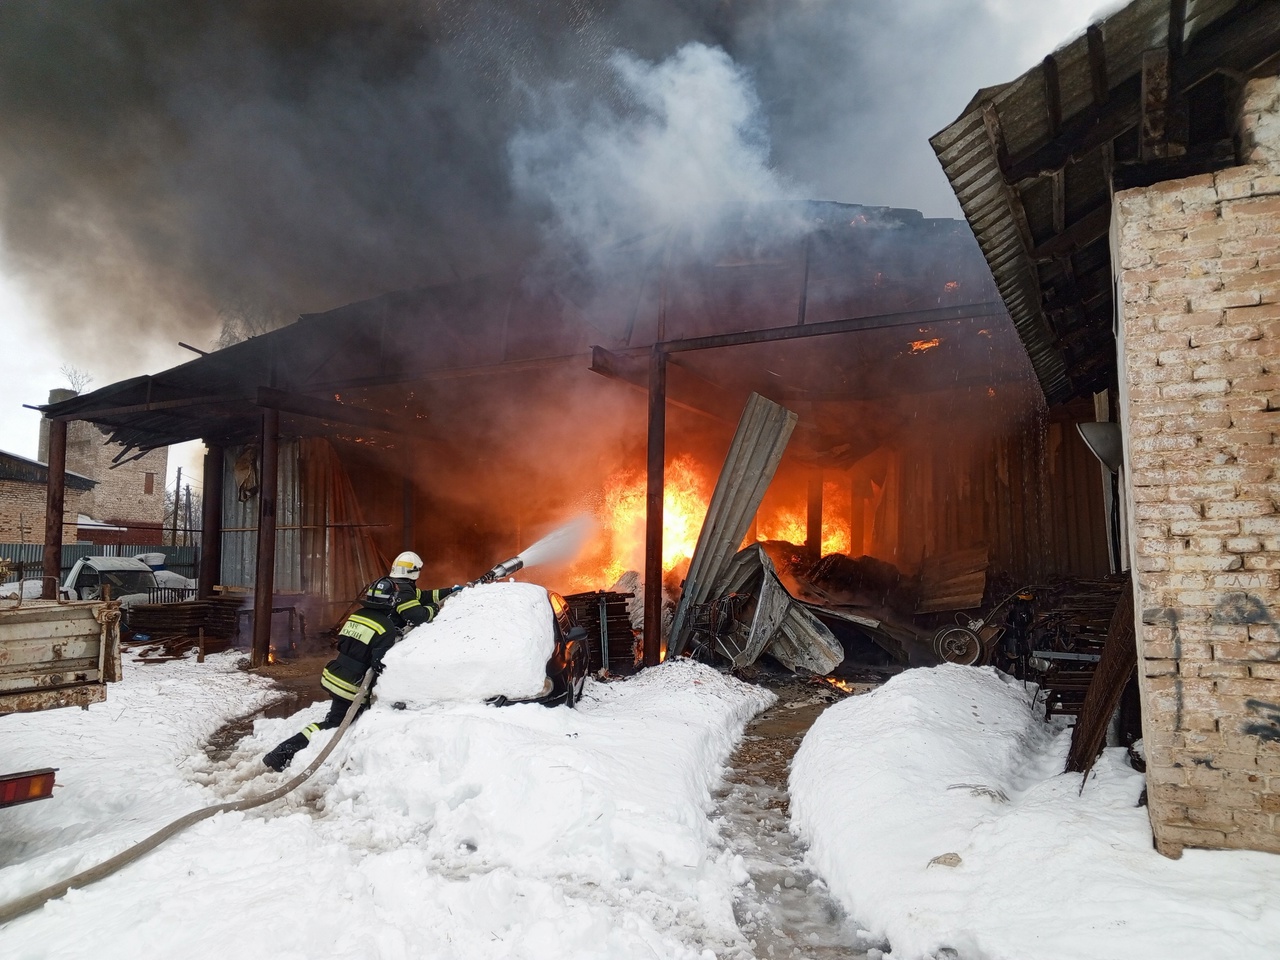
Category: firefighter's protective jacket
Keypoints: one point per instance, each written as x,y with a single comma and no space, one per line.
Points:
415,607
363,641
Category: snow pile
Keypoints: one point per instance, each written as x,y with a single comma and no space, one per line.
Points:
446,830
487,640
168,578
953,760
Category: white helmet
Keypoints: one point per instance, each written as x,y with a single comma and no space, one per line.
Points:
407,566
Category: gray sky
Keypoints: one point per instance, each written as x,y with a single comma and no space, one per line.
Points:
105,267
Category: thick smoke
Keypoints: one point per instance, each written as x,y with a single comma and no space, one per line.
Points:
687,140
163,162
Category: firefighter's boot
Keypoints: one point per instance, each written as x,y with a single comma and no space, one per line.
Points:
283,755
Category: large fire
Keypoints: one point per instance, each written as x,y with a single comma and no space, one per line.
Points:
620,545
789,523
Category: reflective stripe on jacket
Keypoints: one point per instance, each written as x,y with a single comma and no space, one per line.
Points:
363,641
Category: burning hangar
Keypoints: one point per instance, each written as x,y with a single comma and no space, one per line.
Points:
1124,273
465,419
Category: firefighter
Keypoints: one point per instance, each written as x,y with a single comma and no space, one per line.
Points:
364,640
415,606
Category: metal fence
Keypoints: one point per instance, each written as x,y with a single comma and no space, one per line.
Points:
26,560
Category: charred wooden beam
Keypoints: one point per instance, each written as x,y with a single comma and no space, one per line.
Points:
1154,129
54,502
988,308
813,515
1097,64
1092,226
149,406
1052,94
1177,27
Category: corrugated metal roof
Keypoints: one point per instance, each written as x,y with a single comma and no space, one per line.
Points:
14,467
1032,163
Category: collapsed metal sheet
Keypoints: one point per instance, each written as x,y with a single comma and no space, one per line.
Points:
780,625
804,643
758,444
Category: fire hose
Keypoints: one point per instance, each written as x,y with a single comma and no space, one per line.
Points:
38,899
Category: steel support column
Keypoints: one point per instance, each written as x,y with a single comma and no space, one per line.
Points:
54,501
264,583
211,521
813,518
655,487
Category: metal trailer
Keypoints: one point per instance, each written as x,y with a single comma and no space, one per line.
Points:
53,654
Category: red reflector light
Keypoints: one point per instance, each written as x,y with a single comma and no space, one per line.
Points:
26,786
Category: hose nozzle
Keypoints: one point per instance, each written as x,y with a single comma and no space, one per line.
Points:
505,569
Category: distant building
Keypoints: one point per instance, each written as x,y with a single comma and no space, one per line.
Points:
22,500
125,502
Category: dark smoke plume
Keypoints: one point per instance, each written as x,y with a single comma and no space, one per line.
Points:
162,163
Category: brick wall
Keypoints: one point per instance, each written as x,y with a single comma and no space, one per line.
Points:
22,512
121,495
1199,271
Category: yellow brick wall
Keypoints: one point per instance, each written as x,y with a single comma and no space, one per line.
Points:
1199,273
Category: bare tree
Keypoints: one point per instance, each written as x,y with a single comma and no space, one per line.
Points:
76,378
244,318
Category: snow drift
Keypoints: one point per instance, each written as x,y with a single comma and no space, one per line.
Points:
955,760
447,830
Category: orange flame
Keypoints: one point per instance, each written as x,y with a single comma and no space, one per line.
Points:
790,523
952,285
620,544
842,685
920,346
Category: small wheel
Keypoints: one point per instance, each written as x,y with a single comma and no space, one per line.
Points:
957,645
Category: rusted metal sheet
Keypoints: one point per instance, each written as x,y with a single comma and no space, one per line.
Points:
30,702
57,654
758,444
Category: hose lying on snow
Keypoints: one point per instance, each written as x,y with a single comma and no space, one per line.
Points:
38,899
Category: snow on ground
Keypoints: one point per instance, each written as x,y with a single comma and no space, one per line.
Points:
887,781
123,765
449,829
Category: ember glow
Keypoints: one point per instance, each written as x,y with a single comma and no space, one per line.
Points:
922,346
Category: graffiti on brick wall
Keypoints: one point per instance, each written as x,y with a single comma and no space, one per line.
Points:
1234,609
1243,608
1267,727
1247,610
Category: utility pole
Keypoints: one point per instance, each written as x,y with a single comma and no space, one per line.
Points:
186,520
177,499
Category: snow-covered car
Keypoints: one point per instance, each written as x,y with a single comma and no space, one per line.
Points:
567,666
500,643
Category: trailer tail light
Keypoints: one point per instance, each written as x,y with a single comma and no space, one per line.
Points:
26,786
